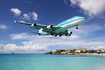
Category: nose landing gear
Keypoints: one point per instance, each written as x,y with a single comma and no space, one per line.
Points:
77,27
60,35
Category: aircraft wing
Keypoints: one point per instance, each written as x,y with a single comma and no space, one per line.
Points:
38,26
29,24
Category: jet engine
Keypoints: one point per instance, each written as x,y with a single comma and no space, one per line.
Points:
49,26
33,25
68,33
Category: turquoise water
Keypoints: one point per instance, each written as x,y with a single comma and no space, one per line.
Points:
51,62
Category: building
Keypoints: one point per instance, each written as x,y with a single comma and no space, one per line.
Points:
64,52
71,50
55,50
78,51
81,49
103,50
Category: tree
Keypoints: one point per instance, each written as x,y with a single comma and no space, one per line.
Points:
81,51
51,52
92,51
74,50
71,51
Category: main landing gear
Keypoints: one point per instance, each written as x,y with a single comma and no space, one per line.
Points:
52,33
60,35
55,34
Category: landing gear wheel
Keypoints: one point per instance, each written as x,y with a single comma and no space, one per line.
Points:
76,27
55,35
60,35
70,32
66,30
52,33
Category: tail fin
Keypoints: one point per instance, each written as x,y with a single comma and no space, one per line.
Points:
40,30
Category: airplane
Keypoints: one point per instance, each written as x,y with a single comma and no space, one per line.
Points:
60,29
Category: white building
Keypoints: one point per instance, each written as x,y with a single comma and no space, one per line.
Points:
77,51
103,50
80,49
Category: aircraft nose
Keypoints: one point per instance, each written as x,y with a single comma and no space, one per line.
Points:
80,17
83,17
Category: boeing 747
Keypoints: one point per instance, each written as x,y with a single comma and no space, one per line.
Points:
60,29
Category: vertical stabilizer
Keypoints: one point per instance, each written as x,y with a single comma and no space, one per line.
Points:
40,31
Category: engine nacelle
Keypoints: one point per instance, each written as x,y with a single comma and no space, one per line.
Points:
49,26
33,25
68,33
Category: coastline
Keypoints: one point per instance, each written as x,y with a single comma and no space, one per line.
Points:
77,53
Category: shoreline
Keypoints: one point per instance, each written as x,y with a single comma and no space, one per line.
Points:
77,53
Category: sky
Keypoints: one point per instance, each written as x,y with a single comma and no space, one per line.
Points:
18,38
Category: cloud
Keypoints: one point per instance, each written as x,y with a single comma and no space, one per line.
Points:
72,41
28,47
16,11
68,42
31,37
30,15
3,27
19,36
26,16
97,48
35,16
41,44
85,30
90,7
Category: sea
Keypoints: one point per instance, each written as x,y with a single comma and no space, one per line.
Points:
51,62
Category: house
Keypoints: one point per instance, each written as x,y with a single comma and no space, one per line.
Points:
77,51
64,52
103,50
55,50
80,49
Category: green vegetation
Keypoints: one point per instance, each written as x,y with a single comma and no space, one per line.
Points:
92,51
95,51
72,51
59,51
